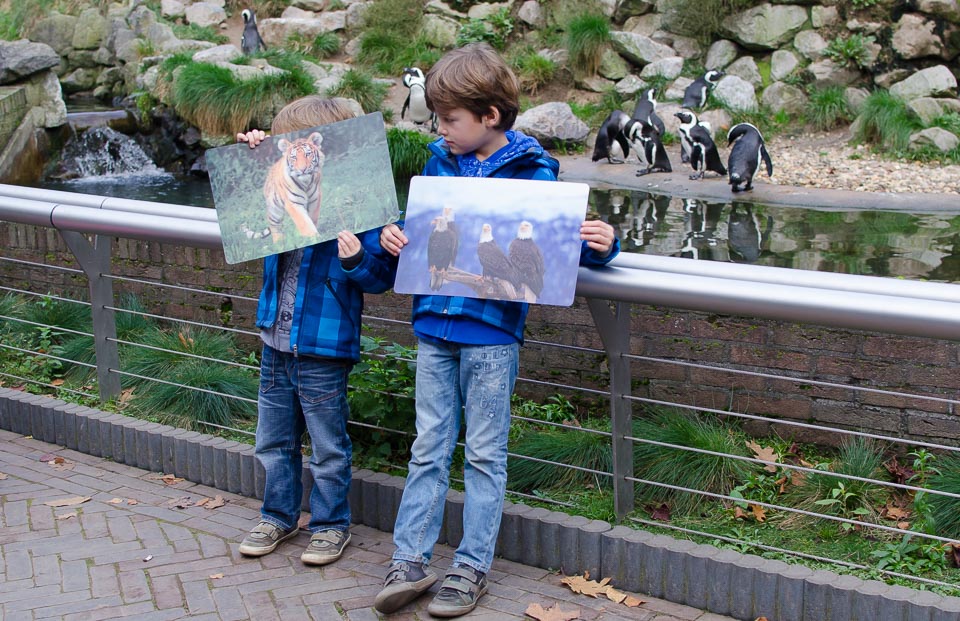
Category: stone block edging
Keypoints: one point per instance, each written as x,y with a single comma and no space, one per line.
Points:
743,586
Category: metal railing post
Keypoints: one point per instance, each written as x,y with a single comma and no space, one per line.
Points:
614,328
94,259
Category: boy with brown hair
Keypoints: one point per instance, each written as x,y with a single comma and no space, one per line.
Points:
309,317
468,349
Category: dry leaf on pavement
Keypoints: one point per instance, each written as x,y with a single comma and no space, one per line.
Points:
67,502
3,476
554,613
216,503
115,501
216,576
170,479
66,516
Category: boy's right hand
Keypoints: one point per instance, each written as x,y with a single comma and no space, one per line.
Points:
392,239
252,137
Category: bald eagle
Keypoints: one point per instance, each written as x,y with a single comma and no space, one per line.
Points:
494,262
441,250
527,258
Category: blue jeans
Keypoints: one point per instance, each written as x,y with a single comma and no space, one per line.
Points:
449,377
296,394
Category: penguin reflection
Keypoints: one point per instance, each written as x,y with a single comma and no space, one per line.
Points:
747,238
648,217
700,230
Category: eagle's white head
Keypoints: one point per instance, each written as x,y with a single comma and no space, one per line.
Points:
486,233
525,231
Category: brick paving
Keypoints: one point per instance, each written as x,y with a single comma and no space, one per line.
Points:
144,549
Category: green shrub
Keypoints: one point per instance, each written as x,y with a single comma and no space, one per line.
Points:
702,19
401,18
828,108
324,45
199,33
573,446
532,70
408,152
885,121
130,326
944,510
389,53
588,35
850,51
357,85
494,30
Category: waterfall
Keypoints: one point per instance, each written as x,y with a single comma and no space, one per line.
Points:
103,152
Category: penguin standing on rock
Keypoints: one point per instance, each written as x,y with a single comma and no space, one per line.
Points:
645,139
703,151
646,111
416,100
611,142
250,41
695,95
746,155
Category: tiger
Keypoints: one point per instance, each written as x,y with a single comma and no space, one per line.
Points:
293,185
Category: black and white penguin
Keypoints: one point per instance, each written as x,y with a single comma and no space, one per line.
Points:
250,41
695,95
611,142
416,100
746,155
703,151
646,110
646,142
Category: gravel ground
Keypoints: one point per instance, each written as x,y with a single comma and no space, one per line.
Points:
826,160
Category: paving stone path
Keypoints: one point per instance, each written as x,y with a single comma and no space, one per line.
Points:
149,549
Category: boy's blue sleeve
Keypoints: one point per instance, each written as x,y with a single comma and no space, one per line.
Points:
591,258
377,269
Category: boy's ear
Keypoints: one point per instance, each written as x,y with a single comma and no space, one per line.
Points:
492,117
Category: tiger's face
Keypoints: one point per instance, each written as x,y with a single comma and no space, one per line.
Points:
303,157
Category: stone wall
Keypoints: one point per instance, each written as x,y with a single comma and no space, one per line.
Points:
772,348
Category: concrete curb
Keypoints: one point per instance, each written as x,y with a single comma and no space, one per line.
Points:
724,582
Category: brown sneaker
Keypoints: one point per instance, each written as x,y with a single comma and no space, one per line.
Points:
265,538
325,547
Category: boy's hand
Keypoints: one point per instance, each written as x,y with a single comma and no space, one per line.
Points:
598,234
252,137
392,239
347,244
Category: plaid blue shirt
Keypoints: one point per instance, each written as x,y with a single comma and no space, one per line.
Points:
329,301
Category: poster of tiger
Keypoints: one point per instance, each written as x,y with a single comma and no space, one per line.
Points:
301,188
503,239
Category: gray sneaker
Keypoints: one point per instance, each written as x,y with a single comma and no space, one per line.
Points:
404,583
462,588
265,538
325,547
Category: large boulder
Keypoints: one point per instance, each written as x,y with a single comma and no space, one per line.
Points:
275,32
782,64
782,96
668,68
205,14
765,27
553,123
930,82
944,9
810,44
19,59
915,37
55,30
639,49
44,92
936,137
90,30
826,73
721,54
736,93
746,68
440,31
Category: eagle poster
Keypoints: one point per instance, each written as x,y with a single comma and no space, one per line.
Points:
302,188
504,239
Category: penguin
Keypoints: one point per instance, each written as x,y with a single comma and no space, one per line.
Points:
686,146
611,142
695,95
703,151
250,41
744,161
646,142
646,111
416,100
746,239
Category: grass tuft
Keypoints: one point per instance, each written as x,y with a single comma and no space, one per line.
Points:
360,86
828,108
886,121
588,35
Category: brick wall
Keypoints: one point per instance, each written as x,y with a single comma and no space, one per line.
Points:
896,363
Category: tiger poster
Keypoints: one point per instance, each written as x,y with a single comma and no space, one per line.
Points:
301,188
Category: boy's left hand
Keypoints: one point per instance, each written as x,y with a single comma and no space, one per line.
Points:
598,234
347,244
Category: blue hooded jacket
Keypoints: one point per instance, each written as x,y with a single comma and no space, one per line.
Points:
522,158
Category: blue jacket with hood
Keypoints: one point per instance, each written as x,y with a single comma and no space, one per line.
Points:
523,158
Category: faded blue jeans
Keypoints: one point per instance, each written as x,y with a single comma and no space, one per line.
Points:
298,393
479,379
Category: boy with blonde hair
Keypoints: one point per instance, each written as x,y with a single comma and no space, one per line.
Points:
309,318
468,349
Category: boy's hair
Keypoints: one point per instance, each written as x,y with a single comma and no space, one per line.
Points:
311,111
474,77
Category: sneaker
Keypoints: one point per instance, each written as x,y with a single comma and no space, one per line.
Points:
325,546
265,538
462,588
405,582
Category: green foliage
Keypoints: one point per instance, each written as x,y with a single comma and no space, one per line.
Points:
199,33
688,469
408,152
217,102
381,394
130,326
358,85
910,557
532,69
388,53
944,510
828,108
588,35
850,51
949,121
572,446
401,18
702,19
885,121
495,30
557,409
219,385
324,45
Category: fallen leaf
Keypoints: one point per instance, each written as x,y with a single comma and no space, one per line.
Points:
216,503
61,464
632,601
903,525
739,513
661,513
66,516
765,453
67,502
170,479
47,457
759,514
125,396
615,596
131,501
57,382
954,555
901,472
760,619
115,501
895,513
3,476
180,503
554,613
201,502
216,576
